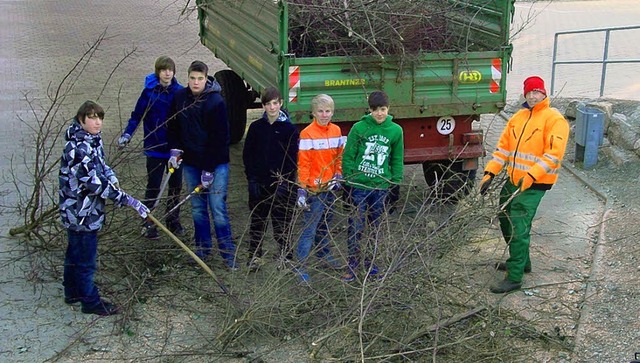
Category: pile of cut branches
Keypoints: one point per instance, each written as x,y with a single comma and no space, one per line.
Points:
377,27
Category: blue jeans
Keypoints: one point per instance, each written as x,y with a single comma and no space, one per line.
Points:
80,266
214,198
368,207
316,226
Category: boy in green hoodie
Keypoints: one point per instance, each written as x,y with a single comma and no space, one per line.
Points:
372,163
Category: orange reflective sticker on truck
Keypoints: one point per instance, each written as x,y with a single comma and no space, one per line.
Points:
470,77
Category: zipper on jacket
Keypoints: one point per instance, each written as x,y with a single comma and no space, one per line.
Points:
515,154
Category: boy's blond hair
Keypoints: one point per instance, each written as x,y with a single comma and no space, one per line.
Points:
322,100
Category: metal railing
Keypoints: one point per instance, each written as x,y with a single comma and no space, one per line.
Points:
605,55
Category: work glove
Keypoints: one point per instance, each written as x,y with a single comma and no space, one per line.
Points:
175,158
282,190
526,182
335,183
124,140
393,196
114,181
486,182
301,202
138,206
206,179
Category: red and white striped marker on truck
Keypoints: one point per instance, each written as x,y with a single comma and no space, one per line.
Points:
496,75
294,83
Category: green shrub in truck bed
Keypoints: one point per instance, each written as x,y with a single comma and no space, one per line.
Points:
442,63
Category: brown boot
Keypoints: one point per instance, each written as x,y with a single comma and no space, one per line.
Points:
505,286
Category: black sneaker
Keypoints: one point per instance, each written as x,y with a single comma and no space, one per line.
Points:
102,308
232,265
176,228
71,300
151,233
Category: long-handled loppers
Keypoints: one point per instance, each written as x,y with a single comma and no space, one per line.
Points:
196,190
163,186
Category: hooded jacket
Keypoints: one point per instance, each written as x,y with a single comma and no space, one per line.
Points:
533,142
84,181
153,108
200,127
271,150
374,154
320,155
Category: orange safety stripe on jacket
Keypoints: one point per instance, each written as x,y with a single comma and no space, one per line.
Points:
319,155
534,142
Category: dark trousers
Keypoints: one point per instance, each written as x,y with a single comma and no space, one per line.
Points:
278,206
156,169
80,266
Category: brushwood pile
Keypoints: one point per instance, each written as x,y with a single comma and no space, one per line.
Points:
379,27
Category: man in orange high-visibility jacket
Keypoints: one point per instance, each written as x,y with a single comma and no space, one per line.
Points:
531,147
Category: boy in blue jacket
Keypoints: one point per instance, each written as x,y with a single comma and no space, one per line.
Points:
198,137
270,157
152,109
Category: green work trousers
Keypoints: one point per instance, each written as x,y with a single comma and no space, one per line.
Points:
515,223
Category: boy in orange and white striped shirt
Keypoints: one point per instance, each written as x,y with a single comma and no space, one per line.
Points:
319,171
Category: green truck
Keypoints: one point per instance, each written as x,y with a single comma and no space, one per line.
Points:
434,96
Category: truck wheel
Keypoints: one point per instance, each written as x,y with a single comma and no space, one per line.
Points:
449,181
234,92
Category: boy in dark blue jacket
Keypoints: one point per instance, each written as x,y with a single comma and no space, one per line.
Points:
152,109
270,157
198,137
